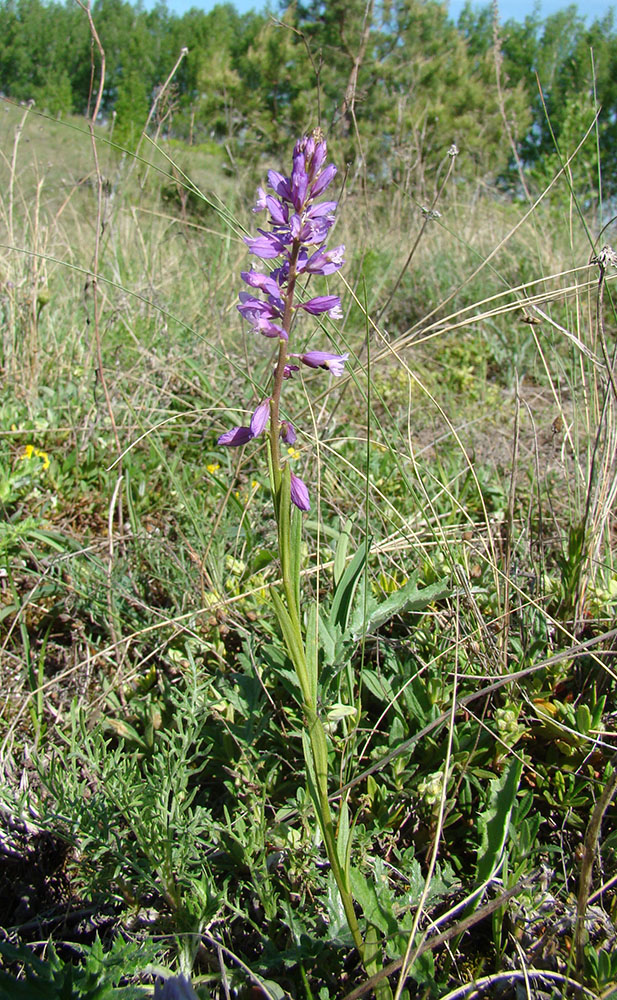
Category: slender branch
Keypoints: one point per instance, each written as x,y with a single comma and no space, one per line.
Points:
592,836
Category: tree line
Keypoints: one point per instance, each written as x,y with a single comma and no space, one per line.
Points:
397,79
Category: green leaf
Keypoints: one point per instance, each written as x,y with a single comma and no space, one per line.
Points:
343,839
373,963
583,719
329,637
346,588
340,711
378,908
295,648
312,650
311,778
408,598
494,821
338,929
340,553
295,552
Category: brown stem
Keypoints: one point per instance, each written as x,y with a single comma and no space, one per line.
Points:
592,835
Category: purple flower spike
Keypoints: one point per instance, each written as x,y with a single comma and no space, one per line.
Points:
288,433
235,437
334,363
260,418
293,237
299,493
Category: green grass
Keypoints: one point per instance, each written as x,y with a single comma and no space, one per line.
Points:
155,814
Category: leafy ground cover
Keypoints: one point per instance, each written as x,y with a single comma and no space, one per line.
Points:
154,811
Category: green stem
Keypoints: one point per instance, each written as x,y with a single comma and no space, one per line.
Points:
319,747
289,618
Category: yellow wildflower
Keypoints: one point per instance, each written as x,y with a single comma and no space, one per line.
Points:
31,452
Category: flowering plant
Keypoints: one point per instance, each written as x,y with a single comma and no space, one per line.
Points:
296,240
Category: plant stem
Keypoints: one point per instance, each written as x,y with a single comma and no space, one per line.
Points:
279,372
291,620
319,748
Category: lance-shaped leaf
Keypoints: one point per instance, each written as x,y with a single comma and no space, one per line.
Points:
346,588
408,598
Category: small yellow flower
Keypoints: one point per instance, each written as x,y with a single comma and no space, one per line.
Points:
293,453
31,452
255,485
212,468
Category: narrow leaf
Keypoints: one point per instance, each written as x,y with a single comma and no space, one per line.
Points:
494,822
293,641
312,649
340,553
344,593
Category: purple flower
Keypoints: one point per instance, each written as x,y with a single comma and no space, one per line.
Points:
288,370
279,184
299,493
322,261
242,435
267,246
268,329
278,212
334,363
321,304
314,231
235,437
254,309
260,204
325,209
260,418
264,282
299,179
323,181
288,433
261,314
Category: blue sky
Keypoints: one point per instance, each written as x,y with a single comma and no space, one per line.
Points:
508,8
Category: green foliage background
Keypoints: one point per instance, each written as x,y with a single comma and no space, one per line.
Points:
403,75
